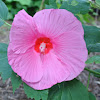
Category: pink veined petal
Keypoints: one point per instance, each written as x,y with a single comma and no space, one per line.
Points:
53,72
54,22
23,32
27,65
67,59
70,48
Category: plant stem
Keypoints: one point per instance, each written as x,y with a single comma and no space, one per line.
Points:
91,71
7,23
42,3
88,80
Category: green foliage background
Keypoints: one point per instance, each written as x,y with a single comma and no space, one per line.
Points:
31,6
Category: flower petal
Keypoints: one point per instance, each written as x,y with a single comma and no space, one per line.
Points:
54,22
54,72
27,65
22,33
70,48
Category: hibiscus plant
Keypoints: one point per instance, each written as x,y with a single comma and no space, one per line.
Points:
46,52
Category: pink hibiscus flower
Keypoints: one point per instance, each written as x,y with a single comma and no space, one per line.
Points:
47,48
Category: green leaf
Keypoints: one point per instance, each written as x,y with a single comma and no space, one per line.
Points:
92,38
24,2
74,3
5,68
76,6
9,0
91,96
49,7
97,75
46,1
72,90
16,81
3,12
98,2
94,59
94,47
1,22
37,3
36,94
52,4
87,18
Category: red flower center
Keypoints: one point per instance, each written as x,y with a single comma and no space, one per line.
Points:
43,45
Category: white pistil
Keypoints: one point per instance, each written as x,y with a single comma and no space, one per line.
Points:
42,47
